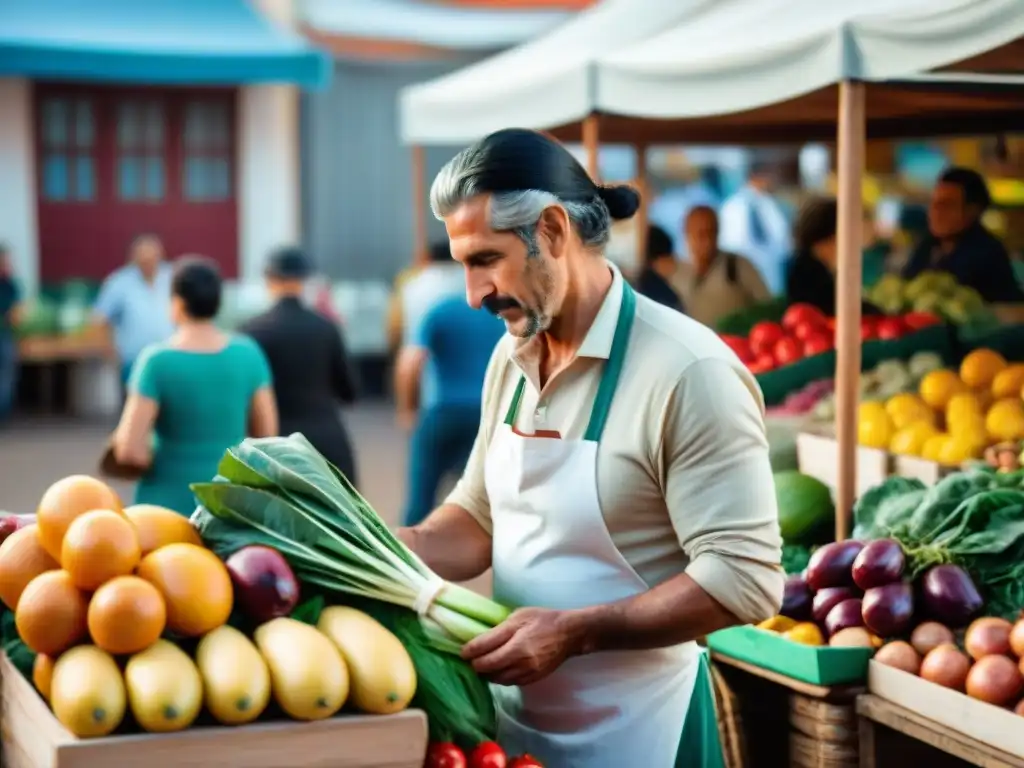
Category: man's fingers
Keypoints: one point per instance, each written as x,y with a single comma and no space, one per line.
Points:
496,662
488,641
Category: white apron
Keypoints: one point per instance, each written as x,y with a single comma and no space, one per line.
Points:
621,709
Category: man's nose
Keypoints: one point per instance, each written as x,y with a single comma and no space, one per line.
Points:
477,291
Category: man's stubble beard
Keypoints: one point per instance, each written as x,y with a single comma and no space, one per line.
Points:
540,288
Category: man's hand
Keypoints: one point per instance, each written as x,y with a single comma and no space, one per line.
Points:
528,646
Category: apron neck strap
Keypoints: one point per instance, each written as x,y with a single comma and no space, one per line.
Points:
609,377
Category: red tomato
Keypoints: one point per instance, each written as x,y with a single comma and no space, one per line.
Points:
739,345
444,755
525,761
787,351
764,335
799,314
488,755
817,343
830,323
868,329
915,321
889,328
804,331
761,364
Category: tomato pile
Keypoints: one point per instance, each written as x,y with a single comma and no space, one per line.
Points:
486,755
805,331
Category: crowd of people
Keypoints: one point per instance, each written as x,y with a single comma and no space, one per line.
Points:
725,273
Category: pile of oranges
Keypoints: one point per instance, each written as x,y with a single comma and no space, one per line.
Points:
91,570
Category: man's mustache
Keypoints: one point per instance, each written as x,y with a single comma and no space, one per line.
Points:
496,304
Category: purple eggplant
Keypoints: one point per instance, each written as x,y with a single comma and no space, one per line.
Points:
831,565
949,596
829,598
880,562
796,599
845,615
889,609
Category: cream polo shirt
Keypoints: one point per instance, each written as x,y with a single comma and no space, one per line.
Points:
683,474
709,298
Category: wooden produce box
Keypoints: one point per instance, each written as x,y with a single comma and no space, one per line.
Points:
993,726
818,456
822,735
32,738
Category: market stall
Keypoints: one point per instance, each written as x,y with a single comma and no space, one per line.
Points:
284,624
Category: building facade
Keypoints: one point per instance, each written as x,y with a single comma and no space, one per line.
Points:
176,118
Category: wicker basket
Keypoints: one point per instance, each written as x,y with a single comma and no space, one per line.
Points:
730,722
822,735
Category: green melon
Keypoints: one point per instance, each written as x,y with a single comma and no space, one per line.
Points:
806,512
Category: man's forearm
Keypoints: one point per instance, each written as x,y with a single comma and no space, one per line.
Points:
451,543
673,612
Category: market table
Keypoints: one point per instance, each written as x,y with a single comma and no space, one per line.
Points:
891,735
815,725
47,353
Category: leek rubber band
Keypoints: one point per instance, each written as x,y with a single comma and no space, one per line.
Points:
428,594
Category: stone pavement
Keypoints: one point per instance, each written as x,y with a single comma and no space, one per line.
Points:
35,451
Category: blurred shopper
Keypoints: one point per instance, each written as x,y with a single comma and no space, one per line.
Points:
959,243
660,264
812,273
308,361
714,283
755,225
134,303
449,350
10,298
439,279
192,396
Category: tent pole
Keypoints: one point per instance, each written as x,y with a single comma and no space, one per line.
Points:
850,148
592,145
419,212
642,217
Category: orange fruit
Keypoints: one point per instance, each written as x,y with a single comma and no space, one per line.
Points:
195,585
99,546
126,615
67,499
157,527
22,558
42,674
980,367
51,614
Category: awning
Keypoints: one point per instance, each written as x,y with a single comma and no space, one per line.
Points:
168,42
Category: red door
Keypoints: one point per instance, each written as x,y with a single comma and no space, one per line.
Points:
116,163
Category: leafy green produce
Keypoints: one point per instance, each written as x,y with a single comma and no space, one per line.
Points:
795,558
806,513
974,519
281,493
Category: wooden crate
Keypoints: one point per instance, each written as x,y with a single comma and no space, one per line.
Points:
32,738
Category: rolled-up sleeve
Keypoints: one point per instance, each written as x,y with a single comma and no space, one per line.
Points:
719,488
470,492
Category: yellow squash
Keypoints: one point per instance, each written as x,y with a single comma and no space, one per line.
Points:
87,691
236,680
308,676
164,688
382,673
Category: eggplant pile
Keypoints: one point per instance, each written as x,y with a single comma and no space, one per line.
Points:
864,585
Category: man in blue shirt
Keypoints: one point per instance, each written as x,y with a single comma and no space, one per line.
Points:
134,303
448,354
10,296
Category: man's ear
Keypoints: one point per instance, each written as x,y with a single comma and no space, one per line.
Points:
554,228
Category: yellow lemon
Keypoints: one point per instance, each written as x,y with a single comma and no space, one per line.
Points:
956,451
1005,420
910,440
934,446
874,427
938,387
907,408
980,368
1009,382
963,407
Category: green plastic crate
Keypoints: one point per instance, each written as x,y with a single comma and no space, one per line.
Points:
818,665
1007,340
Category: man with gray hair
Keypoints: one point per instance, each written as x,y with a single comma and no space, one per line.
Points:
619,485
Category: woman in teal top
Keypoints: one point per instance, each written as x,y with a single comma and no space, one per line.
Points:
193,396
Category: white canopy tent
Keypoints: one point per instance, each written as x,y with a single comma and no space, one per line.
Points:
746,54
545,83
